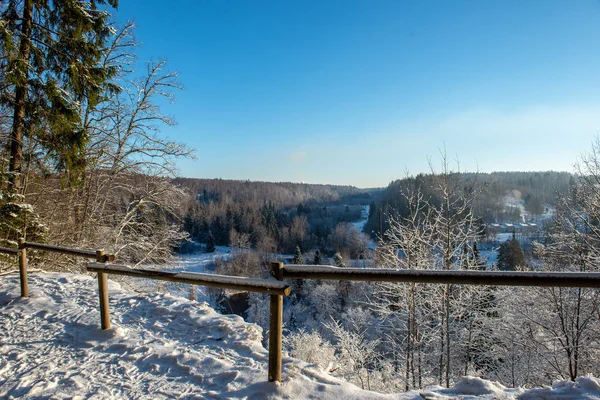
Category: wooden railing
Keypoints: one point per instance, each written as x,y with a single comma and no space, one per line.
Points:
276,289
21,252
492,278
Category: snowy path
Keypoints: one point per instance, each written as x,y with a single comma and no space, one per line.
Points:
163,346
160,347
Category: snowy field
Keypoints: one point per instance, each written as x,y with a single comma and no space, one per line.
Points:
163,346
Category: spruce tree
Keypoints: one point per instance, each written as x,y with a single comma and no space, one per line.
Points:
510,256
372,209
317,260
210,243
53,53
298,259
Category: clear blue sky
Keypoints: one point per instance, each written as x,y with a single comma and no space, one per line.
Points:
359,92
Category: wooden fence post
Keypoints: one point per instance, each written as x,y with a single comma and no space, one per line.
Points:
276,327
23,268
103,292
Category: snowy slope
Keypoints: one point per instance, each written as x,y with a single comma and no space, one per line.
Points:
162,346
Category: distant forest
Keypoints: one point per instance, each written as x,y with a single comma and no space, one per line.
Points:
278,217
535,190
272,217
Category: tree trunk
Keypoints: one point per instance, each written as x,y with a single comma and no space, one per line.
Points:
15,165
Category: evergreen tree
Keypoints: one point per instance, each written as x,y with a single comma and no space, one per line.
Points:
510,256
317,260
298,259
53,53
372,209
210,243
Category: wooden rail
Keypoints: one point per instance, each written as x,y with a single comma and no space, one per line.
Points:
69,251
8,250
21,252
492,278
277,289
266,286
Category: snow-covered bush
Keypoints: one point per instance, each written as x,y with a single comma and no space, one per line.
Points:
310,347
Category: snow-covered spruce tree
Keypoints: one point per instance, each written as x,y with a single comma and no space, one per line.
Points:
53,52
298,259
511,256
210,243
74,111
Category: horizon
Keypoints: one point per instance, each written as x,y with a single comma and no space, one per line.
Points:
373,187
354,94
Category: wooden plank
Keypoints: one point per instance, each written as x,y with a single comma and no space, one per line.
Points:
63,250
23,268
275,327
221,281
8,250
71,251
492,278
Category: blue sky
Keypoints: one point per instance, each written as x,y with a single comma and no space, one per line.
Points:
359,92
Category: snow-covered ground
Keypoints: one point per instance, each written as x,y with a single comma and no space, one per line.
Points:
200,261
162,346
364,218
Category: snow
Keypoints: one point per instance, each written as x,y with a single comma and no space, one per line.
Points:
490,257
360,225
582,388
162,346
201,262
364,218
475,386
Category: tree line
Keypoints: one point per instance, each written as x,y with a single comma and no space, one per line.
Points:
535,190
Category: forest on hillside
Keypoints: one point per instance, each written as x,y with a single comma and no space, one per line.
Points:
536,190
272,217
